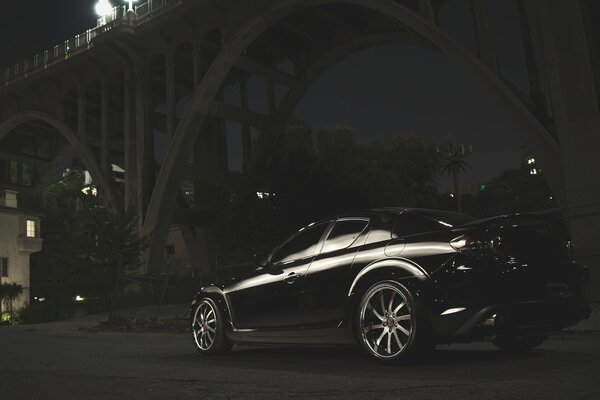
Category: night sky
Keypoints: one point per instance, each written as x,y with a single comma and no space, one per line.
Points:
380,92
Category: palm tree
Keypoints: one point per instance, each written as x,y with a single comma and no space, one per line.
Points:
455,163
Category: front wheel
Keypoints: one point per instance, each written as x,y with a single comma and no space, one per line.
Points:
208,328
389,325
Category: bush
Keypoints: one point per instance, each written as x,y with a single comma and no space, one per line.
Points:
38,312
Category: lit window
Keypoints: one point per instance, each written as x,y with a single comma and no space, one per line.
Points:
3,267
31,228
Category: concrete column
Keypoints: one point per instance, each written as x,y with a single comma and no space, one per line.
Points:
171,96
197,60
81,113
130,143
485,45
104,147
246,132
535,84
577,118
426,11
144,141
272,103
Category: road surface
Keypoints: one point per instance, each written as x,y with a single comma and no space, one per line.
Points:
45,362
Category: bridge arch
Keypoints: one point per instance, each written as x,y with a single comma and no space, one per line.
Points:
164,194
82,150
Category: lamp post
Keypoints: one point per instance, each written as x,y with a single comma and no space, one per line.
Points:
130,5
103,8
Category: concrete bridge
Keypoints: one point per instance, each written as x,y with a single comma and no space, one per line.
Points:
180,71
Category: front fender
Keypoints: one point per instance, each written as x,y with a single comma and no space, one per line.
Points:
215,294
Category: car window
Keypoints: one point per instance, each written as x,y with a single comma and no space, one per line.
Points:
303,244
343,234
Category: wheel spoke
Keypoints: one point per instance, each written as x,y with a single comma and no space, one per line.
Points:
403,318
379,316
391,302
389,343
400,345
211,329
378,342
382,304
403,330
372,327
210,321
399,307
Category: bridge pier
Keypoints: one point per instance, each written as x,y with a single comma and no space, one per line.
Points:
577,118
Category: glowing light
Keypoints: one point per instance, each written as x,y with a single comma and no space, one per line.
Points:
453,310
103,8
131,4
79,298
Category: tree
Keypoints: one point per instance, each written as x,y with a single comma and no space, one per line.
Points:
88,243
9,292
454,164
310,176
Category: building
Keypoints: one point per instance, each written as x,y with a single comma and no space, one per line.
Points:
19,238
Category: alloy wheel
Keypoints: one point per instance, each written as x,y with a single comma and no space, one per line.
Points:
204,325
386,321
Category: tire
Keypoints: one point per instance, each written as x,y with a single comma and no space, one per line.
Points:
208,328
516,344
389,324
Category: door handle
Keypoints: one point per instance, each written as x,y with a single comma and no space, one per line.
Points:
291,278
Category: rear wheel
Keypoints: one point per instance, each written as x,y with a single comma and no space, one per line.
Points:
514,343
389,325
208,328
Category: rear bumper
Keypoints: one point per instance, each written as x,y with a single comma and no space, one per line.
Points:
494,300
524,318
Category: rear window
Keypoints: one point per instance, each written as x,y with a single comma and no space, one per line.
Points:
344,233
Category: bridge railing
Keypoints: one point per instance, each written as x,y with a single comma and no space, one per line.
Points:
84,41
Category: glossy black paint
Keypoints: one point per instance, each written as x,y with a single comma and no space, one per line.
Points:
518,268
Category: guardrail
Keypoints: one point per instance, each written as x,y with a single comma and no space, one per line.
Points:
84,41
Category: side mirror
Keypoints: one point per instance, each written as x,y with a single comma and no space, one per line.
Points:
261,260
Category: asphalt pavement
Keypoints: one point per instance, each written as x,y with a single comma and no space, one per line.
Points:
54,361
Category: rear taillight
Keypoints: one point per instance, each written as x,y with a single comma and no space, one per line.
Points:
469,243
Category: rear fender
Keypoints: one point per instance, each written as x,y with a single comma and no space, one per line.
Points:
396,269
389,268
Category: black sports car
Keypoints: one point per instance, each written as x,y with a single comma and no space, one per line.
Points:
398,281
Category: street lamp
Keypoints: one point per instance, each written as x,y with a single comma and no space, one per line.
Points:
103,8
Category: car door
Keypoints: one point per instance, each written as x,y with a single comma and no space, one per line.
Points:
269,299
325,286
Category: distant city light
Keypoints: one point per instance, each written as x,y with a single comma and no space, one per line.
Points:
533,171
264,195
452,195
103,8
531,161
79,298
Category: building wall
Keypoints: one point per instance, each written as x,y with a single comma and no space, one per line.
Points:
15,246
